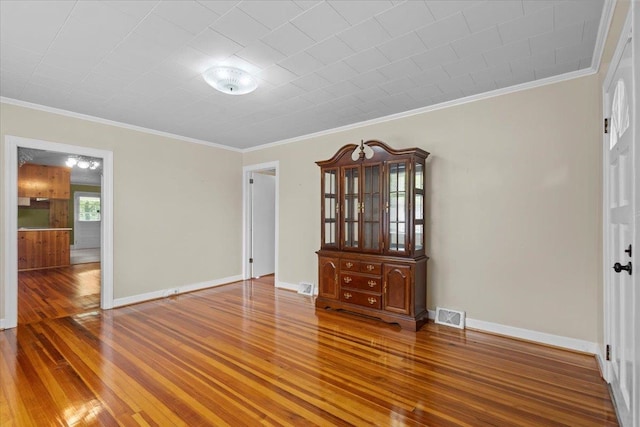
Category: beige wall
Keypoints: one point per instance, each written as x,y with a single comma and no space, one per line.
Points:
515,205
176,204
514,232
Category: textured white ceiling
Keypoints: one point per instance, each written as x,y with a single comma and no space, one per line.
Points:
320,64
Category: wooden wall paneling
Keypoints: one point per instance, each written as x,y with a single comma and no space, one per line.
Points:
44,181
59,182
22,251
43,249
58,213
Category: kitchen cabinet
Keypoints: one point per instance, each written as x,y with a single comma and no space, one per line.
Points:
58,213
43,248
372,257
53,182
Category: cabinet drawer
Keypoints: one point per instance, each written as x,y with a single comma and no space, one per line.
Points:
349,265
362,266
371,267
367,283
361,298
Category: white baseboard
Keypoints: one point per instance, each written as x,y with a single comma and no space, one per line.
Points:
287,286
1,324
529,335
292,287
163,293
600,359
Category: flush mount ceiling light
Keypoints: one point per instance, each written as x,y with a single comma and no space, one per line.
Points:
83,162
230,80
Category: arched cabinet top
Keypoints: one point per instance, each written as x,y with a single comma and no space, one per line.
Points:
381,152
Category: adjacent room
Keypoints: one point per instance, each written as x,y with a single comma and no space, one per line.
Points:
58,234
319,212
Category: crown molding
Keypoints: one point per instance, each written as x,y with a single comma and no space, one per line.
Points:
39,107
603,31
448,104
604,26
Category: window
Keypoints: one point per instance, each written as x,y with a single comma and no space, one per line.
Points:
88,208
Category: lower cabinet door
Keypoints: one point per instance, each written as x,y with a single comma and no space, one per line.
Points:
328,277
397,288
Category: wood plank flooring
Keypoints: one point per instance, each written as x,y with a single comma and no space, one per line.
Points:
246,354
58,292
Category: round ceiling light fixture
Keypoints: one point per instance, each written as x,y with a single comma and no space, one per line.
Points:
83,162
230,80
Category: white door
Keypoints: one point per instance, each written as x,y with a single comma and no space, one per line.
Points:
263,219
621,307
87,216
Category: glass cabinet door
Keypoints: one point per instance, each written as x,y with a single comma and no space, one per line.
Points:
397,206
330,208
418,219
352,207
371,208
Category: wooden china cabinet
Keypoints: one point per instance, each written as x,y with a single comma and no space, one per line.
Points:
372,259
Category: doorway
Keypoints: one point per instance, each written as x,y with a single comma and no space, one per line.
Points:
262,188
260,212
621,217
10,291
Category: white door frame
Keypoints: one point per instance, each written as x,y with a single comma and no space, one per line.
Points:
246,216
10,291
608,368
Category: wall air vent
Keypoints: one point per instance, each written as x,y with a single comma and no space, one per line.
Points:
306,288
445,316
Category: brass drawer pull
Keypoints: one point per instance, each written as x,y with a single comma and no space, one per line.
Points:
372,283
372,300
349,264
347,279
347,295
370,267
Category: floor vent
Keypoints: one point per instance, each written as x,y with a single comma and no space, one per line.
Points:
445,316
306,288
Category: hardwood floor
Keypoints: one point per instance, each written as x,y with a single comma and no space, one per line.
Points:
246,354
58,292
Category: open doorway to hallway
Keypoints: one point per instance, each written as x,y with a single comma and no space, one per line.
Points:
260,248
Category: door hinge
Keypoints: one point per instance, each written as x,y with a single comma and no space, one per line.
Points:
251,180
250,260
608,352
606,125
